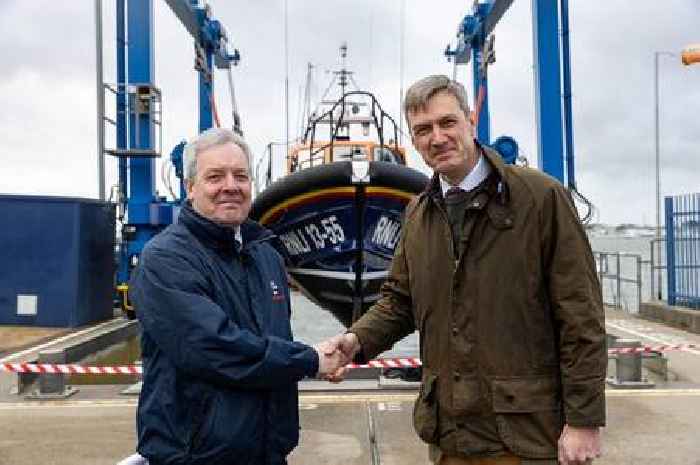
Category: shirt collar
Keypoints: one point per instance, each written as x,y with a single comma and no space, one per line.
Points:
475,177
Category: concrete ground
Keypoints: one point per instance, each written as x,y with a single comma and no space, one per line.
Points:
645,428
96,426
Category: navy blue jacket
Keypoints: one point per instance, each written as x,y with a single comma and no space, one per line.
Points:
220,366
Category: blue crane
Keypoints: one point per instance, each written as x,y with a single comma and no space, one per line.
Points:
143,212
552,80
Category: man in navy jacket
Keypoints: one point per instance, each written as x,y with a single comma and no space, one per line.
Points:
220,365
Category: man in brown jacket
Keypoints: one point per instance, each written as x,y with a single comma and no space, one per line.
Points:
495,271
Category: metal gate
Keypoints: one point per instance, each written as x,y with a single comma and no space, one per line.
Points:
683,249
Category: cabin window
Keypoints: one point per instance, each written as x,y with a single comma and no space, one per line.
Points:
348,153
386,155
305,160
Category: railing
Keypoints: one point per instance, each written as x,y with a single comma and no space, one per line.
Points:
617,272
657,269
683,249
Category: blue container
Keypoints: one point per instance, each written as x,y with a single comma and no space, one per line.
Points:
56,261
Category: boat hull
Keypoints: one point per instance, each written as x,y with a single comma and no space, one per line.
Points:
337,226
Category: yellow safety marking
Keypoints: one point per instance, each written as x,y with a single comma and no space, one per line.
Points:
67,404
351,398
652,392
124,289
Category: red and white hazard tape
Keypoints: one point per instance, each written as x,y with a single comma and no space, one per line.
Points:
388,363
69,369
73,369
648,349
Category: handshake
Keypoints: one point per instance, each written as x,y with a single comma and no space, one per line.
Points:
334,354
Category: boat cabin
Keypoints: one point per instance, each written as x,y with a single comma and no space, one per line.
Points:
302,156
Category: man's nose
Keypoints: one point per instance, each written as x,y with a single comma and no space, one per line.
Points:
230,182
438,136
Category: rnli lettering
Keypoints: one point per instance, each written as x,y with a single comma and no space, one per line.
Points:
387,232
314,236
295,242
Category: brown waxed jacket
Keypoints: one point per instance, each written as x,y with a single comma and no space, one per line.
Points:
514,328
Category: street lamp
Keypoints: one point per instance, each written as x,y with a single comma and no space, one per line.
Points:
657,54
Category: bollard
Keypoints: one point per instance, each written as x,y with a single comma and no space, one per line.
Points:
628,367
52,386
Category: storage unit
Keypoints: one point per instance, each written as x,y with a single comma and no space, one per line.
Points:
57,260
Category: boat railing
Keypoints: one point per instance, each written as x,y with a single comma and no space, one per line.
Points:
378,118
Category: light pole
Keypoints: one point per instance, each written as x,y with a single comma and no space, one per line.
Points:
657,54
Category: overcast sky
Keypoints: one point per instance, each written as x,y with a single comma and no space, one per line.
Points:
48,91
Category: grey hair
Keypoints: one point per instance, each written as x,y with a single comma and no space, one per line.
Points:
212,137
420,92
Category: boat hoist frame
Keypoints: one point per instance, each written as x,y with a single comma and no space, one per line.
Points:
552,65
142,212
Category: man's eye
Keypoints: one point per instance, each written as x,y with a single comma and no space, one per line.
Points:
241,177
448,123
213,178
421,131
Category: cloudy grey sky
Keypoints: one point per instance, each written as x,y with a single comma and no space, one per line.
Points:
47,87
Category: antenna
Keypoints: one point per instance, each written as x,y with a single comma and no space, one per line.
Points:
401,47
286,74
343,70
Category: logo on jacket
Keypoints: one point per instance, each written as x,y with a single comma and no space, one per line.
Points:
277,295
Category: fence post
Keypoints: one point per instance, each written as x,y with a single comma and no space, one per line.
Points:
670,253
639,282
652,269
628,366
619,286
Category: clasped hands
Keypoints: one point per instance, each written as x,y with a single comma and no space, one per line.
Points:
334,354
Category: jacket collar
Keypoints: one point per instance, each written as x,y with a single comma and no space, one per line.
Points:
218,236
434,190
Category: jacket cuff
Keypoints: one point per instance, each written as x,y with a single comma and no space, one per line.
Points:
314,364
366,351
584,403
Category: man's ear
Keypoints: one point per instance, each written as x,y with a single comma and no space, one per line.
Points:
472,118
188,188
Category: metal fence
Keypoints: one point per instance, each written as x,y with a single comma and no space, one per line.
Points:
683,249
620,276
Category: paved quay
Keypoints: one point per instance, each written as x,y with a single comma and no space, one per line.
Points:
97,426
658,427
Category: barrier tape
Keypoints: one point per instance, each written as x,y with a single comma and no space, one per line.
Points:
72,369
648,349
388,363
69,369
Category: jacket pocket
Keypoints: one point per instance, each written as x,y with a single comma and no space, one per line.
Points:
528,413
524,395
425,411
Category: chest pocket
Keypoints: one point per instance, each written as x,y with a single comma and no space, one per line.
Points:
500,216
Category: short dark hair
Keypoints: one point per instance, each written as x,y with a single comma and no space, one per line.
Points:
421,91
